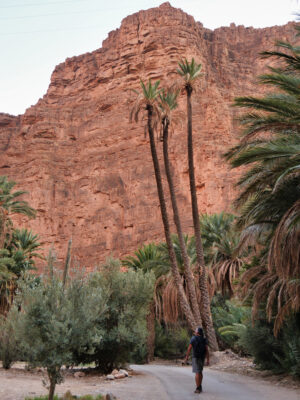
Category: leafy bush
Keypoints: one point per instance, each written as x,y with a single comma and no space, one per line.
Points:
171,342
281,354
229,318
123,324
9,350
139,355
57,319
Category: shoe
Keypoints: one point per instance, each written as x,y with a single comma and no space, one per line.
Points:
198,389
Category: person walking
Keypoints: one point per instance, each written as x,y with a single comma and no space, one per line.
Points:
200,352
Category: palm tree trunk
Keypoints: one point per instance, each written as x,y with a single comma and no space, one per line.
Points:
185,307
190,279
205,301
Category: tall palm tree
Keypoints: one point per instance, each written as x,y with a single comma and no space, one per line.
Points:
270,190
16,258
190,72
147,101
168,103
12,260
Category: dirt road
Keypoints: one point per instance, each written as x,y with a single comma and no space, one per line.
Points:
153,382
177,383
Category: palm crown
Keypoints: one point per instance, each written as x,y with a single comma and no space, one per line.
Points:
189,71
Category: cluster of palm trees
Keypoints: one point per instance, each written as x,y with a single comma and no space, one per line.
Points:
159,105
269,200
220,239
257,253
18,247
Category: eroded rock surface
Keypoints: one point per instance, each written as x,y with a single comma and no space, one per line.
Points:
89,172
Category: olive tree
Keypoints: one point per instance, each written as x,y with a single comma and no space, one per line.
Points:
55,320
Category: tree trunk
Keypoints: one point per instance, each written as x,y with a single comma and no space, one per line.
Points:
205,301
151,332
52,385
185,307
190,279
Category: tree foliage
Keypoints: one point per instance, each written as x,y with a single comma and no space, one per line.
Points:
18,247
269,201
123,323
57,319
221,245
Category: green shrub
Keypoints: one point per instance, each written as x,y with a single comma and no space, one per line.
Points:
123,324
281,354
171,342
57,319
139,354
230,318
9,349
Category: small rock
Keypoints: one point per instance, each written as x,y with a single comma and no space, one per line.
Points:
123,371
120,376
79,374
213,359
115,372
110,377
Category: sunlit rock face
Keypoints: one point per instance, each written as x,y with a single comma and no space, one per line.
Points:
88,171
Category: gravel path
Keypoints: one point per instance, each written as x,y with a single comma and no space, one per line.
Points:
177,383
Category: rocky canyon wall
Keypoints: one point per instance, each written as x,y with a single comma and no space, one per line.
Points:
88,171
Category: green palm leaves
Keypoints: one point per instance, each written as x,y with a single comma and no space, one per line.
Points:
26,241
221,242
17,247
146,99
168,100
189,71
277,112
148,258
9,200
10,204
150,92
269,200
167,104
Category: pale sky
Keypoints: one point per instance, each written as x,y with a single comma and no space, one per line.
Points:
36,35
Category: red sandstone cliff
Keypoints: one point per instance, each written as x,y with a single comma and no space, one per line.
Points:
89,172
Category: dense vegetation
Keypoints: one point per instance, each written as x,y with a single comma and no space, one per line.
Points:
254,255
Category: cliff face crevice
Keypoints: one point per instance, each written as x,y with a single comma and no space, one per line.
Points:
88,171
